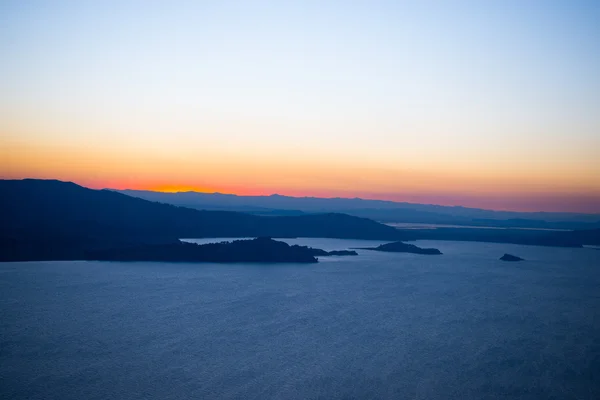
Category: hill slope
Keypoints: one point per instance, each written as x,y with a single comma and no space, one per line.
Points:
379,210
62,219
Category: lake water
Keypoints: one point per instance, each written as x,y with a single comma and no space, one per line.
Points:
376,326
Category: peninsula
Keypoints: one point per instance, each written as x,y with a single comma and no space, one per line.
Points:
262,249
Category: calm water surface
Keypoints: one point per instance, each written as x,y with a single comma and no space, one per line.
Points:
398,326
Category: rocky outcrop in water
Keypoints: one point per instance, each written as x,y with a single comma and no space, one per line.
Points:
510,257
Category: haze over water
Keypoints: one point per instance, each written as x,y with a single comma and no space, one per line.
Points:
458,326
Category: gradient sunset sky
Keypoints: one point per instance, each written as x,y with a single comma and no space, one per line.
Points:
492,104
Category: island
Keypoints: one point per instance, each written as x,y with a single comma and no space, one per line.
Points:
49,220
342,253
510,257
261,249
319,252
401,247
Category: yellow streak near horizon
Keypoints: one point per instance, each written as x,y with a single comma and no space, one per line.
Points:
227,169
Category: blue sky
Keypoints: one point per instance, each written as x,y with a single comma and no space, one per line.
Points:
424,97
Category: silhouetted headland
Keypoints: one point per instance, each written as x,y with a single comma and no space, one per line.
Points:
264,250
400,247
261,249
510,257
53,220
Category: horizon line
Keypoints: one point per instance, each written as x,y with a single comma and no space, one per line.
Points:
356,198
388,201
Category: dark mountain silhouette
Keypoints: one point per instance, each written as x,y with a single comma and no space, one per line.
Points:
380,210
44,219
53,220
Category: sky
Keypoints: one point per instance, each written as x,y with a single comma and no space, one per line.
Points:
490,104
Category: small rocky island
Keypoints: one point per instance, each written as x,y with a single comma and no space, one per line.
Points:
400,247
261,249
510,257
323,253
342,253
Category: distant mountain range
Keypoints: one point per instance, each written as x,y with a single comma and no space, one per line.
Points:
53,220
379,210
45,219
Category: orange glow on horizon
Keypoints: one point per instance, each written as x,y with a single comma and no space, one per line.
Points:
584,202
514,187
510,200
283,106
180,189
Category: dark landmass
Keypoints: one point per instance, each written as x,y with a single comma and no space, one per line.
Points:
54,220
510,257
263,250
380,210
60,207
587,237
319,252
514,236
342,253
399,247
